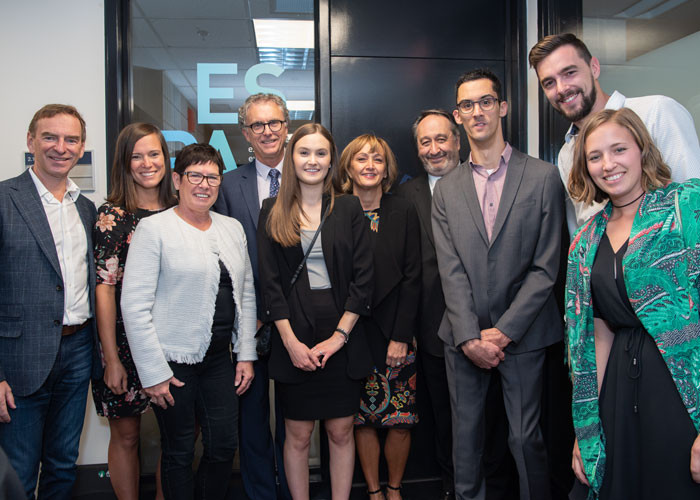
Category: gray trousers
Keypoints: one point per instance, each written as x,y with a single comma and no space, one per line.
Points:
521,377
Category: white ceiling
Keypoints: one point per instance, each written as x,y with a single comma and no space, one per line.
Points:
174,35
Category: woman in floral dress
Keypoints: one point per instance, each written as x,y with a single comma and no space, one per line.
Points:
139,188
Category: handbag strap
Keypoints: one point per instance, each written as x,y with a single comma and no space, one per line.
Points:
308,250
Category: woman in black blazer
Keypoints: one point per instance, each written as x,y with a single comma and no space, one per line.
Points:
368,169
319,355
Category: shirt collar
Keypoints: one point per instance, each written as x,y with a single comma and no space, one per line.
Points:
505,158
571,133
615,101
263,170
72,189
432,180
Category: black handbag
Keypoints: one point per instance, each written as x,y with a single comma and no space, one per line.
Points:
264,333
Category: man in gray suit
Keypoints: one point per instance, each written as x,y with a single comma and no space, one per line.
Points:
496,221
47,285
264,120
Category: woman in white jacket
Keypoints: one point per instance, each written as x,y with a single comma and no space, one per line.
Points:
188,296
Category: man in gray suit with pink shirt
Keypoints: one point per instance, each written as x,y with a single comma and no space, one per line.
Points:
497,222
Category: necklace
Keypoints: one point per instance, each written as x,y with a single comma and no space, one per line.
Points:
627,204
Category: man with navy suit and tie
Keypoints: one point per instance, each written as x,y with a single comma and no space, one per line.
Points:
47,285
497,228
264,119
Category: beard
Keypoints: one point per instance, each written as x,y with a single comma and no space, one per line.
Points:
587,102
451,161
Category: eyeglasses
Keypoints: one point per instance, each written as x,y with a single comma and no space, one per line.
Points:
485,103
196,178
259,127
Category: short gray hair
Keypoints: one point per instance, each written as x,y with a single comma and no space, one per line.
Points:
255,98
454,128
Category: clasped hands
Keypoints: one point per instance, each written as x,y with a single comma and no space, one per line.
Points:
309,359
487,352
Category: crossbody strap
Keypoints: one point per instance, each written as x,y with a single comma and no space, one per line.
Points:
308,250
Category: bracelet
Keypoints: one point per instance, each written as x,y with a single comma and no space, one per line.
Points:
344,334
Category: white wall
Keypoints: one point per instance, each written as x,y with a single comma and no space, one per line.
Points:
670,70
54,52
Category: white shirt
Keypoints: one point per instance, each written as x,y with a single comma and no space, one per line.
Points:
673,131
432,180
264,179
71,247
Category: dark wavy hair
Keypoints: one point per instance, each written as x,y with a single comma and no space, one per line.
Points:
122,191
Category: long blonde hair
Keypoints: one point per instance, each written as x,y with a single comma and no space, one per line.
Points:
284,223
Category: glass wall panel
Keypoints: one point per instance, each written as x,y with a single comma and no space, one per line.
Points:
647,47
195,62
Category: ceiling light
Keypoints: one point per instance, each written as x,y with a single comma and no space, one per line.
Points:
285,33
301,105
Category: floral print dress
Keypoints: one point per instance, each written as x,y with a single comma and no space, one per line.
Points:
112,235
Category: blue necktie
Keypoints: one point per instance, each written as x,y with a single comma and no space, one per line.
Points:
274,176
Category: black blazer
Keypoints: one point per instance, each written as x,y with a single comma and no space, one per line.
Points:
397,270
432,300
347,252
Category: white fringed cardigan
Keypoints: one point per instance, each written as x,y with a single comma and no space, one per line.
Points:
171,280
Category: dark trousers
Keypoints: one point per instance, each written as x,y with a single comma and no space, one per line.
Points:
432,368
258,451
209,398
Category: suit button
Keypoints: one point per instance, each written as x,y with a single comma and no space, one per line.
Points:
59,288
56,322
267,312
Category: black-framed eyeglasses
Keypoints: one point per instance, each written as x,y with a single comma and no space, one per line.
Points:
196,178
485,103
259,127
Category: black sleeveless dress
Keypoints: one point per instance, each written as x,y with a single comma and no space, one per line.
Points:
648,431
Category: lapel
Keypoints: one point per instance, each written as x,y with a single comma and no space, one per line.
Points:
26,199
249,191
387,272
423,203
327,237
467,188
87,213
514,174
87,218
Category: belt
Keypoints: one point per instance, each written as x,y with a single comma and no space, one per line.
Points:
71,329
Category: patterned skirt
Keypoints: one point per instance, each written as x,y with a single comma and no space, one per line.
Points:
134,401
389,398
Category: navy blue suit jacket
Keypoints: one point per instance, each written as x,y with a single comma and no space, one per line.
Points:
238,198
31,284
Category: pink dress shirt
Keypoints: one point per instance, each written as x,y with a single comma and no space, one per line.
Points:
489,186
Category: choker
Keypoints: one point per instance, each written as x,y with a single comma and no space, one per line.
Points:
627,204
